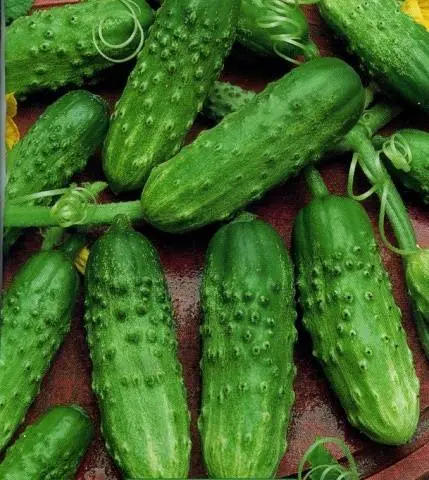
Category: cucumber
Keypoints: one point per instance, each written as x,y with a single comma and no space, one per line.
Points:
57,146
290,124
51,448
35,316
136,374
180,61
54,48
411,146
248,338
224,99
351,315
275,27
392,46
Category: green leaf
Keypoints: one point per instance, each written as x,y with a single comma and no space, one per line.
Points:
17,8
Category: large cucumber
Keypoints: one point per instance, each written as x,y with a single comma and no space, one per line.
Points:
290,124
351,315
57,146
136,375
392,46
51,448
248,339
35,316
175,71
54,47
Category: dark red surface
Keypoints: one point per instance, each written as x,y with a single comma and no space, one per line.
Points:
316,411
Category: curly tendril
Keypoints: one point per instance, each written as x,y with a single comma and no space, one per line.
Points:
138,30
350,473
38,195
72,208
398,151
377,187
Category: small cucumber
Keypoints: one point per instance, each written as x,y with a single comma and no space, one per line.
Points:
57,146
290,124
411,146
351,315
248,339
35,316
55,47
180,61
51,448
136,374
392,46
275,27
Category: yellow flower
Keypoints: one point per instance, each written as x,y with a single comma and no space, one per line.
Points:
419,10
12,132
81,260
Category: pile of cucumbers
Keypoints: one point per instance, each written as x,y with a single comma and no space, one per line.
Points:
253,292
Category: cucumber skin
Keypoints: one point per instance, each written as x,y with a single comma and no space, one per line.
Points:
247,384
175,71
53,48
417,179
351,315
136,374
56,147
51,448
396,55
35,316
290,124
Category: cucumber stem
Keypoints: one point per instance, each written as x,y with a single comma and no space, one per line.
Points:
315,183
101,214
357,141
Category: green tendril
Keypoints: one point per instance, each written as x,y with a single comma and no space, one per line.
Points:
398,151
38,195
72,208
350,472
351,179
138,29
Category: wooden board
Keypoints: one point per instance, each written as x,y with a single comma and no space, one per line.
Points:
316,411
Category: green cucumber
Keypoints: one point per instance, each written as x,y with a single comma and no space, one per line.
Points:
351,315
180,61
290,124
51,448
275,27
35,316
411,148
57,146
224,99
53,48
136,374
248,339
392,46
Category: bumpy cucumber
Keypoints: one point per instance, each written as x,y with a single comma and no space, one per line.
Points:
57,146
51,448
174,74
53,48
248,339
392,46
411,147
351,315
136,375
275,27
291,123
35,316
224,99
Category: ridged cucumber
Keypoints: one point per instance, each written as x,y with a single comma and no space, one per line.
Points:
180,61
57,146
35,316
248,339
136,375
290,124
351,315
51,448
53,48
392,46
